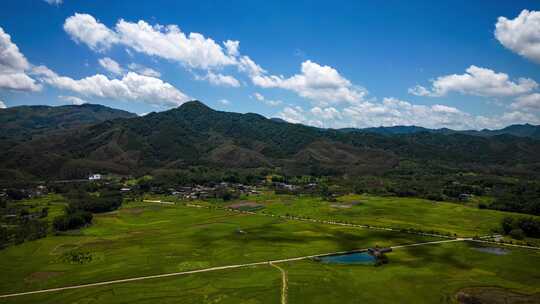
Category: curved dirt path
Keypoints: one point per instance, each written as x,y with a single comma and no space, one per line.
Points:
284,283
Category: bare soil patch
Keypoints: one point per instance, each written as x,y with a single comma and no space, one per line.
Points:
246,206
42,276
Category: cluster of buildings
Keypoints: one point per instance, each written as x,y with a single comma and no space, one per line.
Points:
212,191
28,192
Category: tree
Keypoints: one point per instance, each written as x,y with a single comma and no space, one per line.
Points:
507,224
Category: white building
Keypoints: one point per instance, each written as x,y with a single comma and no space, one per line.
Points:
94,177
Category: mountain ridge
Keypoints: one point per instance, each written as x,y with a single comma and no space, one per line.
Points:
194,135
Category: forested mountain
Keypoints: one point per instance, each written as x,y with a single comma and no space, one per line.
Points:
194,135
23,122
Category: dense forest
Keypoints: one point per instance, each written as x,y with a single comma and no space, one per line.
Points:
194,144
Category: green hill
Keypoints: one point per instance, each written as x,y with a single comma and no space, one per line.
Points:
196,135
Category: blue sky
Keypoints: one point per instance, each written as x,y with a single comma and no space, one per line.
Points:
458,64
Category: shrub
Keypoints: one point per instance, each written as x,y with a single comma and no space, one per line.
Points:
517,234
72,220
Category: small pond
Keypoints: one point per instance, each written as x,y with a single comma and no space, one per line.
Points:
493,250
350,258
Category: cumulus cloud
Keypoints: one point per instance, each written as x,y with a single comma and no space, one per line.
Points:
143,70
269,102
74,100
476,81
111,66
168,42
84,28
329,113
2,105
527,102
396,112
232,47
393,112
248,66
521,34
293,114
220,79
14,67
224,102
131,86
321,84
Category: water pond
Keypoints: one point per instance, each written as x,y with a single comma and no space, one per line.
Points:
351,258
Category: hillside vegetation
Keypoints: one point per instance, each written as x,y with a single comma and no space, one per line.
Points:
195,135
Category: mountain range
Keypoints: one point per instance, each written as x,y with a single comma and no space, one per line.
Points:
73,141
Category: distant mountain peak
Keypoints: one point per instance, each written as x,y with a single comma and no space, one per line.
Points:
194,104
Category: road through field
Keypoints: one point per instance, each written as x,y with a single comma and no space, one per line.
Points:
215,269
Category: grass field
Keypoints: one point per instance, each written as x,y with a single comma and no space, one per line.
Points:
150,238
393,212
424,274
54,202
260,284
142,239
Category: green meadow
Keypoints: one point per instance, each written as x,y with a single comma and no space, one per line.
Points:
54,203
252,285
395,212
143,239
424,274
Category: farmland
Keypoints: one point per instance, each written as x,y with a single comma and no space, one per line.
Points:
144,238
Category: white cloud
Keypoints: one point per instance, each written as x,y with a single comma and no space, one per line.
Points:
521,35
258,96
73,100
168,42
395,112
111,66
292,114
220,80
321,84
11,59
248,66
224,102
2,105
18,81
477,81
269,102
419,90
131,86
143,70
84,28
527,102
329,113
14,67
54,2
232,47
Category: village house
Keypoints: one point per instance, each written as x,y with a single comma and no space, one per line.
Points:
95,177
